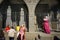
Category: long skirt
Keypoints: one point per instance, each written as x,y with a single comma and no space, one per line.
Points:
46,27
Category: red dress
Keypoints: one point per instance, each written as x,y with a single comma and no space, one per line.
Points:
46,26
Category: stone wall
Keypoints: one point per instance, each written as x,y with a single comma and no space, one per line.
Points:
31,4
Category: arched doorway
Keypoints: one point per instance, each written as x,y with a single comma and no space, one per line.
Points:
16,8
40,11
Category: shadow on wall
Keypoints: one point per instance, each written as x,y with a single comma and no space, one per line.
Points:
56,38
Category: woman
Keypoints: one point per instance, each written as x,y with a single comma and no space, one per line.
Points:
22,32
46,25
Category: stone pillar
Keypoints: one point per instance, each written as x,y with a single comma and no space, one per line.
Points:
31,18
31,7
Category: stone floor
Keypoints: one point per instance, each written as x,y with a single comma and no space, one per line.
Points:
32,35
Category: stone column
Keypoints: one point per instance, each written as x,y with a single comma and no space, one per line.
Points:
31,18
31,7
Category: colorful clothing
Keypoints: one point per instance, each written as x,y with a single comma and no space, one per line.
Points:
7,28
11,33
46,26
22,33
17,28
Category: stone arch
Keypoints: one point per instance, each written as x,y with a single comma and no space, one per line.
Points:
40,11
4,5
16,10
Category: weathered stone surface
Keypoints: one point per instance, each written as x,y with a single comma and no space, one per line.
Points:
31,6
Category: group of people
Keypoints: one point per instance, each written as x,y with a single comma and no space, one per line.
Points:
20,30
11,32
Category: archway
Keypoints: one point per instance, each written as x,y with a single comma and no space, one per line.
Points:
16,8
40,11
